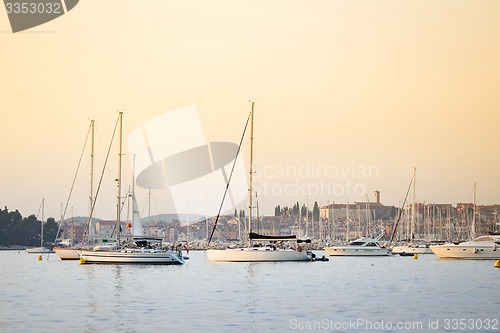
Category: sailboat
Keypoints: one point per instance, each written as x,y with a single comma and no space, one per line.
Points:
412,246
278,247
142,250
66,250
41,248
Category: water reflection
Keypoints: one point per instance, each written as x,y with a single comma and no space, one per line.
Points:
251,304
91,305
241,297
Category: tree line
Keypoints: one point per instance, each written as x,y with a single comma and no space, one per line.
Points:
18,230
297,210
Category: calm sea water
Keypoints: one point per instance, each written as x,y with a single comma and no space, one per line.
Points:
384,294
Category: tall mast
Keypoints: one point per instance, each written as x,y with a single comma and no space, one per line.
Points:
413,208
149,205
119,180
368,216
251,176
347,221
473,227
41,233
307,217
91,197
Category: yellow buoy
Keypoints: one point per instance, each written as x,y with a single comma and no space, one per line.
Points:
415,256
497,263
39,257
82,261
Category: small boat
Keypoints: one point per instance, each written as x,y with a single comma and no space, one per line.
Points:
363,246
65,250
483,247
68,253
41,248
406,254
412,249
323,258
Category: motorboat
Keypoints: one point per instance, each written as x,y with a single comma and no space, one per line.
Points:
364,246
483,247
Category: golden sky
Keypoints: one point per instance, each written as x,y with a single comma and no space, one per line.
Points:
347,92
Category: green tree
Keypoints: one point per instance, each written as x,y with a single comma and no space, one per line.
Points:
303,210
16,230
277,211
296,209
316,211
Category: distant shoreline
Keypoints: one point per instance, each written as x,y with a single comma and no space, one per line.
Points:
13,248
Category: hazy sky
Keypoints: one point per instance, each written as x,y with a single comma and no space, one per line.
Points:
350,95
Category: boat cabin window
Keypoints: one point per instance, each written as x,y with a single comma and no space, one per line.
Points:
357,243
371,244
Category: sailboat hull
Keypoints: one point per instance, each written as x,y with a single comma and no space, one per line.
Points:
356,251
411,249
39,250
67,253
256,255
131,257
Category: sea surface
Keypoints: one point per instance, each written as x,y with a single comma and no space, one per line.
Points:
352,294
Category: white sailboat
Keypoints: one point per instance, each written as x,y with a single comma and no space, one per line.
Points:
142,250
67,251
412,246
41,248
277,249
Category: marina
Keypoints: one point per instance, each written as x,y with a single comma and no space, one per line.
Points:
250,166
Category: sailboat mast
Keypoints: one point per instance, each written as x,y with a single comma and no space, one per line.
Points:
347,221
307,217
413,208
91,198
473,227
41,233
251,177
119,180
